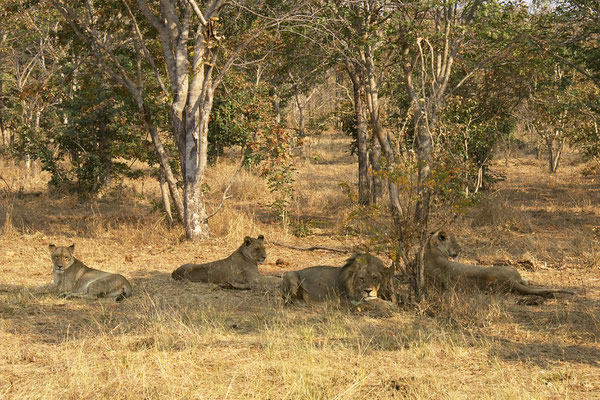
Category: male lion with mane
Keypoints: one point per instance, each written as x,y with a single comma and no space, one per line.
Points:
358,280
72,278
238,271
442,246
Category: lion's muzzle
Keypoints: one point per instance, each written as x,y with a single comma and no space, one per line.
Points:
369,294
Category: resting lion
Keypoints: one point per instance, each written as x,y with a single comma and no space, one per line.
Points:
238,271
441,246
358,280
73,279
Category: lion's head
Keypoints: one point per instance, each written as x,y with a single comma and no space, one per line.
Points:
364,275
62,257
254,249
444,244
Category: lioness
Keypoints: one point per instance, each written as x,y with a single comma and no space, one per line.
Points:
358,280
438,268
73,279
238,271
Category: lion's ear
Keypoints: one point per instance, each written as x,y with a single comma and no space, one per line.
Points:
72,248
51,247
354,262
247,240
261,237
442,235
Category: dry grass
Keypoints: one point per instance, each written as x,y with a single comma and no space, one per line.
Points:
181,340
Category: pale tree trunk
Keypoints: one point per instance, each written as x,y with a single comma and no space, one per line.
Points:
163,158
300,106
375,183
277,105
424,148
362,134
3,131
190,60
195,161
554,154
29,163
479,181
379,131
164,191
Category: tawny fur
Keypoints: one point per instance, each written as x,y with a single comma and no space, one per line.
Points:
238,271
359,279
442,246
72,278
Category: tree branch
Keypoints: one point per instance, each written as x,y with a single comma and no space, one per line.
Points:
311,248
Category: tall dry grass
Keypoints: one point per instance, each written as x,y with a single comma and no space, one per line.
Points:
180,340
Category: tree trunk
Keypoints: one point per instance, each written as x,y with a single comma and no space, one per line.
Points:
362,135
423,136
195,160
554,155
164,191
557,155
376,185
550,154
379,131
300,105
163,159
277,104
479,182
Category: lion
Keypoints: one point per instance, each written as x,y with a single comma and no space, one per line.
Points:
359,280
441,247
72,278
238,271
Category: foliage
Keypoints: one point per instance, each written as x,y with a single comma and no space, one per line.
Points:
271,152
99,133
469,135
240,109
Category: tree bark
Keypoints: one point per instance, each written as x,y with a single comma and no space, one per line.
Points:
376,184
163,159
379,131
554,155
364,193
195,161
164,191
277,104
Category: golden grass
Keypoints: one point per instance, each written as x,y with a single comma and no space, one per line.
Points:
176,340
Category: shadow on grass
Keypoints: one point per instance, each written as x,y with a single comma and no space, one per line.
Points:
156,297
542,354
66,216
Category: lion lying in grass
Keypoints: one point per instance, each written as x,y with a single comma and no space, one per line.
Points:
238,271
441,246
359,280
72,278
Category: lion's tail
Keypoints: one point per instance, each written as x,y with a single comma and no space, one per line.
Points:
538,291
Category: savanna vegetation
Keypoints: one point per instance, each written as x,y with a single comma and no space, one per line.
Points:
158,133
